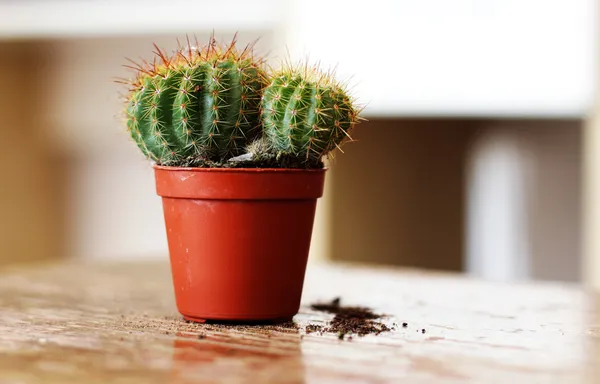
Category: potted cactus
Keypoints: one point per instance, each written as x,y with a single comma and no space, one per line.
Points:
237,152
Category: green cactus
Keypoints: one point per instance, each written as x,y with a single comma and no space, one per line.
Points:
306,113
199,103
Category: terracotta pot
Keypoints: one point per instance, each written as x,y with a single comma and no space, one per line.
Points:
238,239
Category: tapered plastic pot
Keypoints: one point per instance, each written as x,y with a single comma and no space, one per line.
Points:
238,239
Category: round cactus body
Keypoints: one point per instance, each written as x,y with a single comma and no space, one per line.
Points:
199,103
306,113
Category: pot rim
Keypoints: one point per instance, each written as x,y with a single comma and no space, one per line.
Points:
239,183
234,170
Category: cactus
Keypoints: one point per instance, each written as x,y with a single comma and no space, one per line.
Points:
306,113
199,103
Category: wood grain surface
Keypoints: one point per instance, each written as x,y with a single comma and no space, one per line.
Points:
117,323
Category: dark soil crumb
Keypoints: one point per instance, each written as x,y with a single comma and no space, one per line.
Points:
404,325
348,320
311,328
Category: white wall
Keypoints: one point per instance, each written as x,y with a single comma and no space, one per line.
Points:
460,57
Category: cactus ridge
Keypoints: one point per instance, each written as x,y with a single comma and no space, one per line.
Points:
198,102
306,112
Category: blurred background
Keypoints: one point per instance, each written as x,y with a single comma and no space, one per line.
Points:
480,154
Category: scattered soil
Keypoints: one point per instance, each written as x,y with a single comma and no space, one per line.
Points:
348,320
347,323
313,328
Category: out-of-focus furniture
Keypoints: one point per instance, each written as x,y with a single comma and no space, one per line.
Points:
444,76
32,173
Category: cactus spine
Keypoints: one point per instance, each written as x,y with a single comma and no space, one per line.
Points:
306,113
198,103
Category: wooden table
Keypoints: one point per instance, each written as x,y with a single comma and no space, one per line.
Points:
117,323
